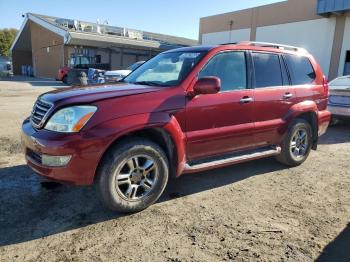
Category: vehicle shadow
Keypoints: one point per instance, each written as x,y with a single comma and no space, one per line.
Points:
337,134
339,249
30,211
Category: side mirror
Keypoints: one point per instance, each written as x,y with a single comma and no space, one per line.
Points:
207,85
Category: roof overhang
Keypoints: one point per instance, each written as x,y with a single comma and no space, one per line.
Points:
92,39
105,41
326,7
42,23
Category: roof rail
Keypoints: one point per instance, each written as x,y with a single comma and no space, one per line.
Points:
274,45
233,43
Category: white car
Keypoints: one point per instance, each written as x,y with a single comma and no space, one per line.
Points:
116,75
339,98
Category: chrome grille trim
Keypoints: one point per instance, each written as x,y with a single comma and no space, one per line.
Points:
40,112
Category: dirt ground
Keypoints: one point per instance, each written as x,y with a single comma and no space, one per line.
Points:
257,211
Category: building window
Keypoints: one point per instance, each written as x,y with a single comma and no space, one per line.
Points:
347,64
98,59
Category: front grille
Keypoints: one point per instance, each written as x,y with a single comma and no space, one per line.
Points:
36,157
40,110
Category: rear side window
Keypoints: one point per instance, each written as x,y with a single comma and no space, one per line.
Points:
230,67
267,70
301,70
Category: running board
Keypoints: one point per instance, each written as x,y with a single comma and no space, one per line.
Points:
231,159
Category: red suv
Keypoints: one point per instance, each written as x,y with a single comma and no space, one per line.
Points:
184,111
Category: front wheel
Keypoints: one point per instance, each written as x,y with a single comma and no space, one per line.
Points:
297,143
133,175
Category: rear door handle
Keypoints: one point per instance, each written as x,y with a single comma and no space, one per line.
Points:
287,95
246,100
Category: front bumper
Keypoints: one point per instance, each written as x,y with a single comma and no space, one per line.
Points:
85,154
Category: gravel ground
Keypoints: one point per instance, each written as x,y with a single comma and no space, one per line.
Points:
257,211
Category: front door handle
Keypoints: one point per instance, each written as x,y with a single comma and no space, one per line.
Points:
246,100
287,95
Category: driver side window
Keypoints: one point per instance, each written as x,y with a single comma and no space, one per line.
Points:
230,67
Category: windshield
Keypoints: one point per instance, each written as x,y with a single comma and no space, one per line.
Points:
342,83
166,69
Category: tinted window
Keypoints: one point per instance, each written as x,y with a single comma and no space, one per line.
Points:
301,70
267,70
230,67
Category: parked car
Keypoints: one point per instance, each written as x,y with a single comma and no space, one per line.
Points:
116,75
5,67
95,76
186,110
77,64
339,98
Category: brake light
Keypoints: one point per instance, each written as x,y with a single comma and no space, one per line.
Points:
325,86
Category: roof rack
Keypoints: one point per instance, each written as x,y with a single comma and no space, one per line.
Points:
273,45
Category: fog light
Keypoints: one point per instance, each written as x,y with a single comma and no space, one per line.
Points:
55,161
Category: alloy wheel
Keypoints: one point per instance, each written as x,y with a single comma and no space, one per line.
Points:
299,143
136,177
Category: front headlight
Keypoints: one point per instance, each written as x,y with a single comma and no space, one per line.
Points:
70,119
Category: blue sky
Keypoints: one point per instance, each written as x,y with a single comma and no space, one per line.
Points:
177,17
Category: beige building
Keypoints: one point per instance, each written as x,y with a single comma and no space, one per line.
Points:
322,27
44,44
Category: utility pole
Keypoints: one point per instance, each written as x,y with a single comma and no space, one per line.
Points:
231,27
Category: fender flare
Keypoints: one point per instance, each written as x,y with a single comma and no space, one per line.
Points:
301,108
118,128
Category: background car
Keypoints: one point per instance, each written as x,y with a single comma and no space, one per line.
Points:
116,75
77,64
5,67
339,99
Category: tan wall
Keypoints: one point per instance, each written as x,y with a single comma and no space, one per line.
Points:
278,13
20,58
47,51
285,12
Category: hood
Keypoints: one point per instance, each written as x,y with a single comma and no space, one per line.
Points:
89,94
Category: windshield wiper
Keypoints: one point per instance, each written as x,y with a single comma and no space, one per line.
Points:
147,83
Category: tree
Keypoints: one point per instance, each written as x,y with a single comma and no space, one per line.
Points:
7,36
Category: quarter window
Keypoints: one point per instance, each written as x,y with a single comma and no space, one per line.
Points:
302,72
230,67
267,70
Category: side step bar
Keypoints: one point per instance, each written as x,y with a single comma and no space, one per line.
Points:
230,160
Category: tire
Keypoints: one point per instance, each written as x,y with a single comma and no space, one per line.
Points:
295,149
127,182
65,79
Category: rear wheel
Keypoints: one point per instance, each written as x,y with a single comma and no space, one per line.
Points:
297,143
133,175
